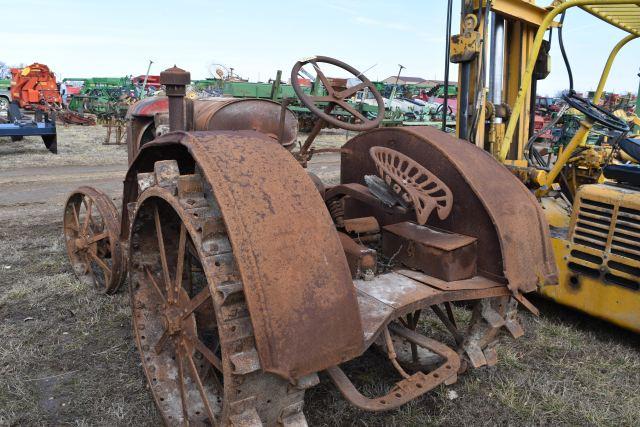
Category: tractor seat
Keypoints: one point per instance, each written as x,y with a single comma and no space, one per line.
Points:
627,174
631,146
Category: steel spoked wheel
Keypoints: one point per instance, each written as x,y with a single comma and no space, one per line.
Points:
190,318
477,336
91,230
473,332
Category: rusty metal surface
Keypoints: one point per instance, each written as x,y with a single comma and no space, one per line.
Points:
91,231
273,211
361,259
441,254
409,388
212,114
246,114
137,127
414,183
491,204
392,295
75,118
175,81
476,283
399,292
365,225
337,97
273,301
190,317
426,235
148,107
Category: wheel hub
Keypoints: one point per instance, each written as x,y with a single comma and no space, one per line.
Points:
81,243
173,319
175,322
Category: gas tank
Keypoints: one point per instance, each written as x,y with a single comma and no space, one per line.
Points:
147,118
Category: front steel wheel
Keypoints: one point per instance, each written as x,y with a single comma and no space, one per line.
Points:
91,230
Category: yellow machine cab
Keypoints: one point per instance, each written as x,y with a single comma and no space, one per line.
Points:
589,186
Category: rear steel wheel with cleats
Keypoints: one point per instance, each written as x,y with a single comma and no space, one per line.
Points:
190,318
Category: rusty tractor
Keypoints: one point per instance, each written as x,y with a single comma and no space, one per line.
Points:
248,276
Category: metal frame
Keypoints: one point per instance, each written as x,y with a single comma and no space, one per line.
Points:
597,8
583,132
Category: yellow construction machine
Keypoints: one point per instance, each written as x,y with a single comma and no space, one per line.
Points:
591,199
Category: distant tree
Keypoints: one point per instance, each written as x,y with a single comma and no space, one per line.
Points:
5,71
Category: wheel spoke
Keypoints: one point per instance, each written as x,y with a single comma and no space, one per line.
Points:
457,336
72,226
97,237
196,302
322,78
203,395
214,375
90,268
85,225
346,106
155,284
161,342
163,255
76,217
180,266
189,273
317,99
183,394
105,268
347,93
87,264
403,322
452,318
206,352
412,321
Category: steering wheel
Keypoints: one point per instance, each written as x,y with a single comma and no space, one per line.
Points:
335,97
596,113
439,109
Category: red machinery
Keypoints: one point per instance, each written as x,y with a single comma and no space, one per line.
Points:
152,81
34,85
33,88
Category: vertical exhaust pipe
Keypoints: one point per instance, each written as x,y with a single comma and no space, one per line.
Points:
175,81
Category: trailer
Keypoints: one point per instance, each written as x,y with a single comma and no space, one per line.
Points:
32,89
19,125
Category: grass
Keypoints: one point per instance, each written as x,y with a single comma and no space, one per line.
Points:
77,145
68,354
569,370
68,357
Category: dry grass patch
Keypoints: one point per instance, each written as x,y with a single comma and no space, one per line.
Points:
77,145
68,355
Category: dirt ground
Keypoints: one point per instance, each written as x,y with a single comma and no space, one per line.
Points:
67,356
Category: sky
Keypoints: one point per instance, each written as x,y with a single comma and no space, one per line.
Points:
92,38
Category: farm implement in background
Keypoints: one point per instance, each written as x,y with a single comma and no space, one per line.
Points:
401,108
34,99
108,98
